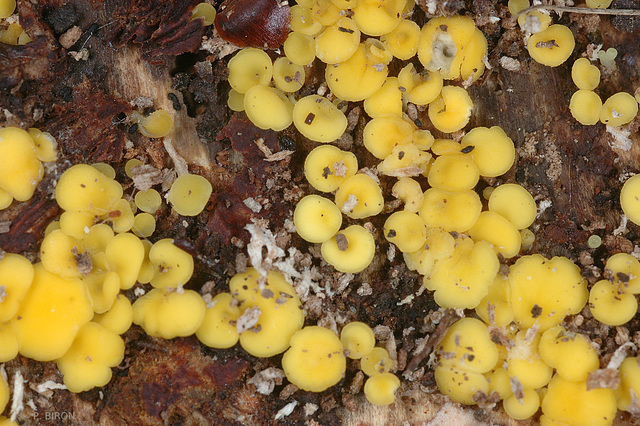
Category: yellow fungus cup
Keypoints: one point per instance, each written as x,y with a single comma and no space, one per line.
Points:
585,75
316,218
204,11
514,203
619,109
456,172
358,339
337,42
168,313
319,119
119,317
325,12
586,107
124,255
523,408
625,271
16,275
218,328
451,110
268,107
189,194
385,101
381,388
610,304
460,385
452,211
144,225
405,160
248,68
494,307
87,363
491,149
6,9
129,165
377,362
359,196
148,201
272,312
629,381
50,315
524,362
378,17
155,125
358,77
497,231
173,266
419,88
569,402
630,199
410,192
571,354
315,361
303,22
402,41
439,245
82,188
235,101
382,134
21,171
327,167
287,76
545,291
598,4
406,230
299,48
4,393
103,289
64,255
350,250
45,144
468,346
552,46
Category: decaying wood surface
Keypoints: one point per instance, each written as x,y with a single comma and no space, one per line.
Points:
139,52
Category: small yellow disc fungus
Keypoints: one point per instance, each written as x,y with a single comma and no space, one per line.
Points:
315,361
98,237
325,12
316,219
358,339
514,203
585,75
463,279
173,266
82,188
619,109
8,346
167,313
491,149
528,238
630,199
105,169
494,307
125,254
218,328
337,42
287,76
497,231
350,250
4,393
406,230
599,4
45,144
499,382
64,255
248,68
6,9
460,385
87,363
268,107
423,139
144,225
299,48
129,165
378,17
303,22
446,147
235,101
103,289
545,291
377,362
473,56
452,211
439,245
525,364
403,40
625,270
158,124
571,354
205,11
610,304
319,119
419,88
147,270
120,215
524,408
629,381
552,46
272,312
5,199
441,42
568,402
534,21
386,101
119,317
453,173
50,315
327,167
21,171
405,160
359,196
358,77
148,201
381,388
16,275
451,110
382,134
468,346
594,241
410,192
189,194
586,107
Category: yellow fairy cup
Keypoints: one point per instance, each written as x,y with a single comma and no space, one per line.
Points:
144,225
377,362
451,110
585,75
148,201
82,188
378,17
299,48
327,167
319,119
173,266
218,328
4,393
287,76
514,203
189,194
610,304
619,109
45,144
337,42
359,196
439,245
155,125
381,388
385,101
630,199
452,211
410,192
268,107
405,160
629,382
456,172
497,231
523,361
382,134
491,149
524,407
64,255
599,4
402,42
124,255
248,68
406,230
358,339
303,22
119,317
316,218
571,354
6,9
235,101
552,46
419,88
350,250
494,307
21,171
16,275
167,313
206,12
